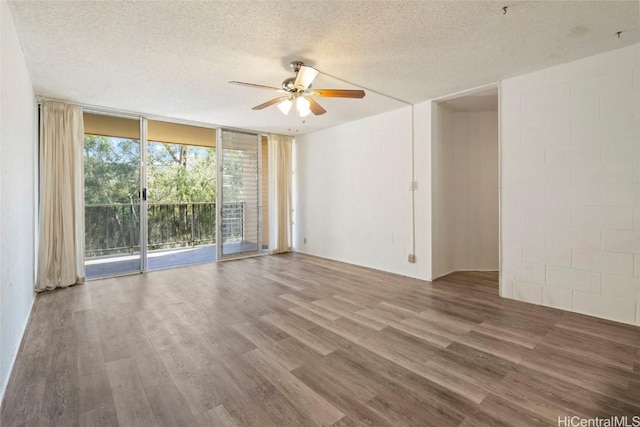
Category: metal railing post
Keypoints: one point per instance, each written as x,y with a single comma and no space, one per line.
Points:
193,224
130,227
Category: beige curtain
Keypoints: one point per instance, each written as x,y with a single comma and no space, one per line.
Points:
61,237
280,193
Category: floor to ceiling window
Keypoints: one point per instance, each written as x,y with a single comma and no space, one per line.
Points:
152,200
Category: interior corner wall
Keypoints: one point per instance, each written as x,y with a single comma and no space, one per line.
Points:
465,191
422,128
17,195
570,176
352,198
442,222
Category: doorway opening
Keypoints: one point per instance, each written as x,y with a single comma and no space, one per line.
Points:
465,186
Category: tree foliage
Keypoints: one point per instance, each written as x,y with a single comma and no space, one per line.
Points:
180,173
177,175
111,170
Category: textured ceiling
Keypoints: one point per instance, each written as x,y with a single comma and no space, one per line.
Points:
174,59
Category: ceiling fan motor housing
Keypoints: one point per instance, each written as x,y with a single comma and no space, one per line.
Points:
289,86
289,83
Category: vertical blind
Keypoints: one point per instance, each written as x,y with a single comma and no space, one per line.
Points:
240,192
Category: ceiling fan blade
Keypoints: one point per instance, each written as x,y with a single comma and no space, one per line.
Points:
256,86
315,107
338,93
305,77
270,103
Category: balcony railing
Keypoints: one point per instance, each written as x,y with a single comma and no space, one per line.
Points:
112,229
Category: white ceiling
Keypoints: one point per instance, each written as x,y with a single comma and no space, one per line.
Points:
174,59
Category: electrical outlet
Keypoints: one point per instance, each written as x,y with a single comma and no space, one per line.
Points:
412,259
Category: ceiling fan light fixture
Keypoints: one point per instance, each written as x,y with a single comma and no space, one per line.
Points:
285,106
303,106
298,91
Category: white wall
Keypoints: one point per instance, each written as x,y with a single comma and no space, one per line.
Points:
570,176
443,223
477,239
465,191
571,186
17,194
352,197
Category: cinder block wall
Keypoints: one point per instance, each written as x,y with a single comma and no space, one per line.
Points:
570,177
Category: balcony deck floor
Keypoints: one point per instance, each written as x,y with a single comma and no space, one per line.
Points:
97,267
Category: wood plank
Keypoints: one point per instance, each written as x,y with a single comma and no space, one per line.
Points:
61,405
304,336
168,405
281,410
356,317
129,397
341,398
299,394
245,411
94,390
115,348
549,396
252,333
198,388
217,416
497,412
297,340
317,310
102,416
597,348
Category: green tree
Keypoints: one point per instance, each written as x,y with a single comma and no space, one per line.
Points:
180,173
111,170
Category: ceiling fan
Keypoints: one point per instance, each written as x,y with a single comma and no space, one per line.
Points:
299,92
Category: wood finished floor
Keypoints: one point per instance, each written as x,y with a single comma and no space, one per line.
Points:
302,341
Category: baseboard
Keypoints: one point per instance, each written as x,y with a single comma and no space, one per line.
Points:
15,355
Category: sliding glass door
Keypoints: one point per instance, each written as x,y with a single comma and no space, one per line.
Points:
239,215
161,195
112,171
181,191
